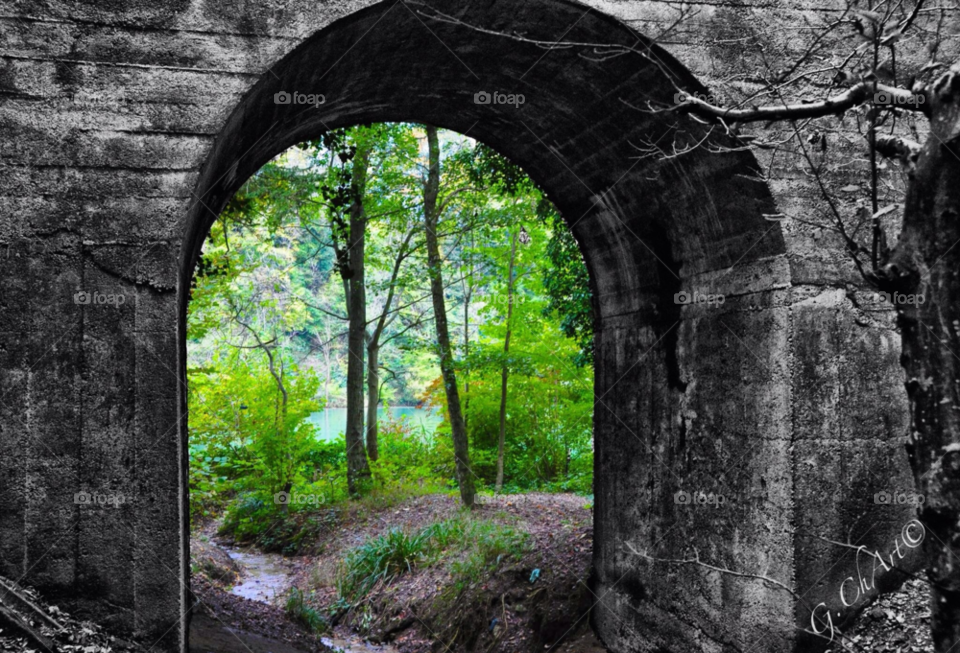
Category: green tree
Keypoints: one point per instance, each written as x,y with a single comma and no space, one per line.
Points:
433,208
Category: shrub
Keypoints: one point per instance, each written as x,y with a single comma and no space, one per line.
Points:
255,517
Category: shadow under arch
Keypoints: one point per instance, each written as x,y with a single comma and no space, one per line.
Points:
647,227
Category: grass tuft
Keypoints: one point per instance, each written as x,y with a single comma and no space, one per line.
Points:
472,546
297,609
381,559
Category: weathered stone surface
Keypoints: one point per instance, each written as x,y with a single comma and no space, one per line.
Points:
124,131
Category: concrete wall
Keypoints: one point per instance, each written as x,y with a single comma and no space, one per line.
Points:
123,133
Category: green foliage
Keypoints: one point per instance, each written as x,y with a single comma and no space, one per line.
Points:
567,284
241,428
409,466
299,611
256,517
380,560
488,169
549,397
411,462
266,347
489,545
472,547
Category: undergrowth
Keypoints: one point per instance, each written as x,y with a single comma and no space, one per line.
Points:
471,547
299,611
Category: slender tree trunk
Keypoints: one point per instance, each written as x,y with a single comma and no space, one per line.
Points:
283,481
373,351
505,371
461,447
467,293
326,376
326,383
373,397
358,470
467,296
926,262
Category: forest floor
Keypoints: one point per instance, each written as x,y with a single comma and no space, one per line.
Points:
537,601
528,604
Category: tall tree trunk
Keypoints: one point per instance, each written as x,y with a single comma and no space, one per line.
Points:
505,371
373,397
926,262
467,294
461,448
358,470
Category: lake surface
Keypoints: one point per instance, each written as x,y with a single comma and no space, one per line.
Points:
331,422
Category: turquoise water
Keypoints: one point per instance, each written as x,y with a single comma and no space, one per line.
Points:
331,422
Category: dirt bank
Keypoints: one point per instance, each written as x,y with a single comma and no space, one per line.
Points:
531,602
539,600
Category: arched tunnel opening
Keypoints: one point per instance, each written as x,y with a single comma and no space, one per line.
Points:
276,405
738,373
649,229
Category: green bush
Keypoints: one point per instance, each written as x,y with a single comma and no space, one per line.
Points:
255,517
410,461
408,467
473,547
241,434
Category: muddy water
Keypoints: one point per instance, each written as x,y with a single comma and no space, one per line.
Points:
266,578
341,645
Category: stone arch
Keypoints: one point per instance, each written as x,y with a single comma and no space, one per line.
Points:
693,397
573,133
648,228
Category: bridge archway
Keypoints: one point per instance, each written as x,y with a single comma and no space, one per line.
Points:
648,228
690,397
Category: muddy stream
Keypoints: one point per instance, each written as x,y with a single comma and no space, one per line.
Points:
265,577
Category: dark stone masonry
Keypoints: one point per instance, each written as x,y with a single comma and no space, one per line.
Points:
125,128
